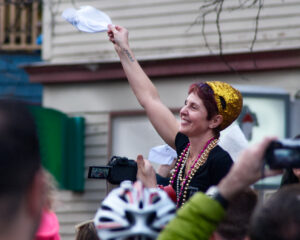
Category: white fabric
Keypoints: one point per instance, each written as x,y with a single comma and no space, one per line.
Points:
87,19
233,140
162,154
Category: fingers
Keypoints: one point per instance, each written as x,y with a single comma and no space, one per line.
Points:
119,28
111,32
114,28
264,144
110,27
140,161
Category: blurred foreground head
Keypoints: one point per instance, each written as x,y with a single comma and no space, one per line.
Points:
133,212
279,217
235,225
21,178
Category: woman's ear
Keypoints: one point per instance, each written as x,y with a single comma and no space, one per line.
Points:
216,121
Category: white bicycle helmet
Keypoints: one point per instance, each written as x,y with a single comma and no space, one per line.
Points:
133,211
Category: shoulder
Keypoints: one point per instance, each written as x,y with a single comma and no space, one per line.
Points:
219,156
220,163
218,153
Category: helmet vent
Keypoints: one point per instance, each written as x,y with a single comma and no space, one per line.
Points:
124,198
173,211
130,217
150,218
106,208
155,199
105,219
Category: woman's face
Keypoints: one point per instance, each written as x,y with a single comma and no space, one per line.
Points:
193,116
296,171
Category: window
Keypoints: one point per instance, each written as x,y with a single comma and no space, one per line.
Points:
20,24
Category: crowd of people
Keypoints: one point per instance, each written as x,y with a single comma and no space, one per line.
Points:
206,197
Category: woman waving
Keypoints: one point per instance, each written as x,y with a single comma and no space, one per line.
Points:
209,108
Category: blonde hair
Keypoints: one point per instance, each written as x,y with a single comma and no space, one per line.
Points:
86,230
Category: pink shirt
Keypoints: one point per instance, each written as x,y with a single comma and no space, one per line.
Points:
49,227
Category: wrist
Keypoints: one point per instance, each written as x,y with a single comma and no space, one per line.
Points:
122,47
230,186
126,54
214,193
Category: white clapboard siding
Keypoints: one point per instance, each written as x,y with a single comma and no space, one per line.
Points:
164,28
73,208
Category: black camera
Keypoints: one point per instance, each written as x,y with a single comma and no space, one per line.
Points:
117,170
283,154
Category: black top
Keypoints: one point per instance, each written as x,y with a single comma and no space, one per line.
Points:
210,173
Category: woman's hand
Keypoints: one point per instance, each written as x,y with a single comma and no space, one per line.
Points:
146,173
118,36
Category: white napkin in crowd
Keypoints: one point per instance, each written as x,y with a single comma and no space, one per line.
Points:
87,19
162,154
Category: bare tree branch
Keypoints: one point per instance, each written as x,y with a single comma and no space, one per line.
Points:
219,10
216,6
261,2
210,6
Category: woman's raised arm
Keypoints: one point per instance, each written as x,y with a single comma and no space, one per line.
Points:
146,93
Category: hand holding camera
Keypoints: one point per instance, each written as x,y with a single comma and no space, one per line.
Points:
283,154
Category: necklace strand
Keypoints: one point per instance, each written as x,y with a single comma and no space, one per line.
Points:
181,189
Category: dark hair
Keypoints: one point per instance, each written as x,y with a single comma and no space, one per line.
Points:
235,225
206,94
20,156
279,217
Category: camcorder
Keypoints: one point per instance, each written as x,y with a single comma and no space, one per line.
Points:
283,154
117,170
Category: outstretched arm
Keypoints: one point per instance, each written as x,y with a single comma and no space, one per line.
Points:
160,116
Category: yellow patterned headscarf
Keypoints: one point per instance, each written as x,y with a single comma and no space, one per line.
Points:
229,101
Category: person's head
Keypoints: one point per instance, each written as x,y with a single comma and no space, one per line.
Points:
86,231
235,225
132,211
279,217
21,178
210,105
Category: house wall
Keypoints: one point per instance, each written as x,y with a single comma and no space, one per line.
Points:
161,28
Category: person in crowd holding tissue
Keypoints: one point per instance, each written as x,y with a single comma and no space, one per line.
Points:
209,108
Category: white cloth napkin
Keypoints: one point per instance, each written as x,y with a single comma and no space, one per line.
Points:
162,154
87,19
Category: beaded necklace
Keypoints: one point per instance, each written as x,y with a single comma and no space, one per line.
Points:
182,191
